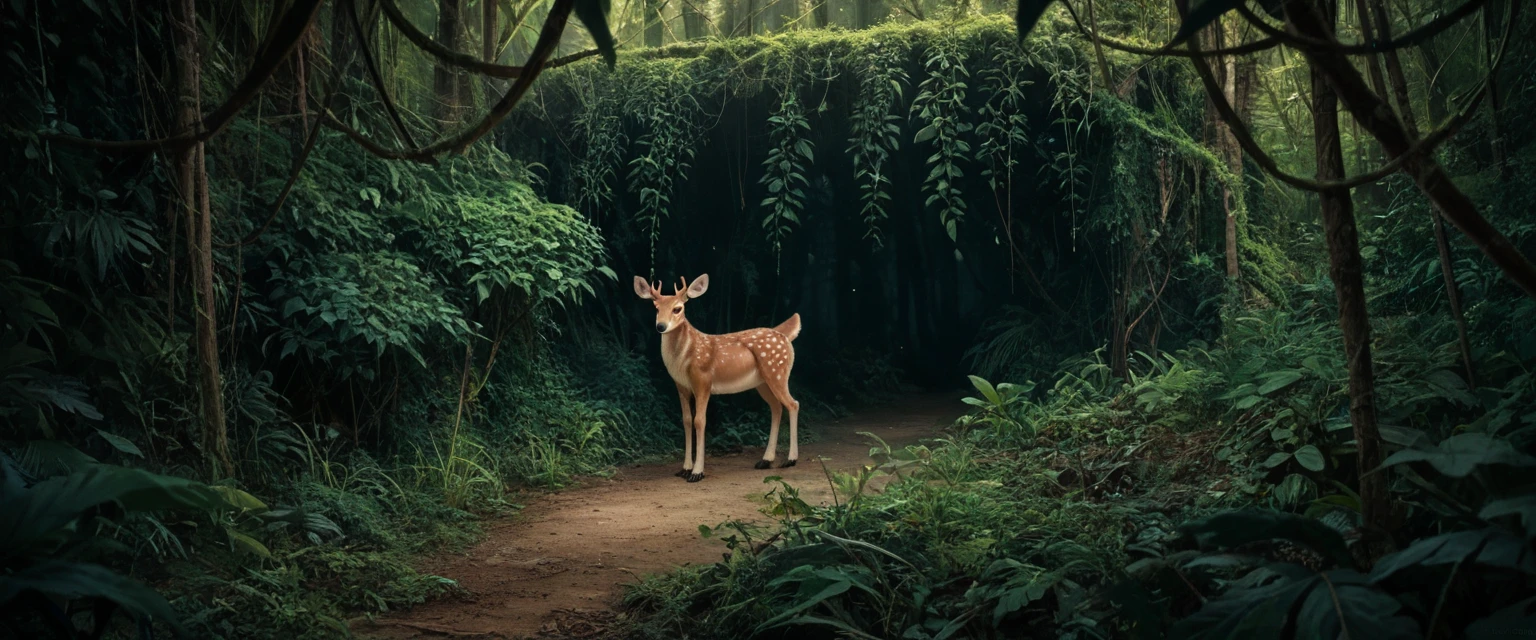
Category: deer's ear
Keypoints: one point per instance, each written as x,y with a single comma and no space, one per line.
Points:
642,288
699,286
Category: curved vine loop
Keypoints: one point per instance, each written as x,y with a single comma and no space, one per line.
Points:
549,38
272,52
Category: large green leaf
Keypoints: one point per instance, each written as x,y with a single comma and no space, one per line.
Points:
1491,547
71,580
1238,528
1348,607
1512,621
37,511
1310,457
1458,455
986,390
1277,380
1249,614
1524,506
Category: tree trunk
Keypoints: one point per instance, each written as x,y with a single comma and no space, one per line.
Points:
1346,271
445,79
870,12
1442,243
1233,155
821,12
1435,98
694,24
1372,65
488,43
654,22
1492,15
192,182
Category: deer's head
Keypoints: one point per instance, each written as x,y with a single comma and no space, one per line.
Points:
669,309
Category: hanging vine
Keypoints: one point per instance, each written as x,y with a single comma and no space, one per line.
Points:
1004,130
599,130
1072,102
875,131
784,169
940,104
662,100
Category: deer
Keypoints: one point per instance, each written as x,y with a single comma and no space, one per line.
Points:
702,365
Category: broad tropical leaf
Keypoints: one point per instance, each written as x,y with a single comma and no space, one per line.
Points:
1241,527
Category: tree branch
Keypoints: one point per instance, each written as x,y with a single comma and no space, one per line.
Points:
549,38
464,60
1245,138
1119,45
1428,30
375,75
278,45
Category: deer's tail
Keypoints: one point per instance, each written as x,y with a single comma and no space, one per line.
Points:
790,328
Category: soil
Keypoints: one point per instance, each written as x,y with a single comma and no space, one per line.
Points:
558,568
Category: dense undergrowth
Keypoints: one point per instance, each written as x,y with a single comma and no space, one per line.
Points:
1076,507
408,349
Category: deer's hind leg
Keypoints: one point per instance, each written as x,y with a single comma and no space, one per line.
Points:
780,389
775,412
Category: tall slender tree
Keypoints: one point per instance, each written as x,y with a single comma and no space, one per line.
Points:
655,22
1347,271
191,172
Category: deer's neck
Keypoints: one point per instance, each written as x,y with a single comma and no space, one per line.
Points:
677,348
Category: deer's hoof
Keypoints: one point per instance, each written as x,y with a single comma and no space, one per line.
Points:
683,473
762,464
787,463
695,477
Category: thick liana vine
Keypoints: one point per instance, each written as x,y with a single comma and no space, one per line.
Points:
875,134
784,169
940,107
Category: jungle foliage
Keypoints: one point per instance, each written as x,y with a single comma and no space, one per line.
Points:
261,347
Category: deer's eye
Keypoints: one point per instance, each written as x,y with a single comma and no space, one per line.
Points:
677,310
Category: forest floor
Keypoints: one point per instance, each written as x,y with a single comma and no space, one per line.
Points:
558,568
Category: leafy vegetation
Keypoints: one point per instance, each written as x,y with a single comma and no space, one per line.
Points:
294,295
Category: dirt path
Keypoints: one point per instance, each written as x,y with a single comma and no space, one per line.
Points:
567,556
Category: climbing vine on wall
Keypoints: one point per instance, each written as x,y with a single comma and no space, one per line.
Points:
784,169
876,131
941,110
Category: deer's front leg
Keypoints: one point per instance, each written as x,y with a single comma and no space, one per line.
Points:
701,404
682,396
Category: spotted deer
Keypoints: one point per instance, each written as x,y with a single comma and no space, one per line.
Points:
702,365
